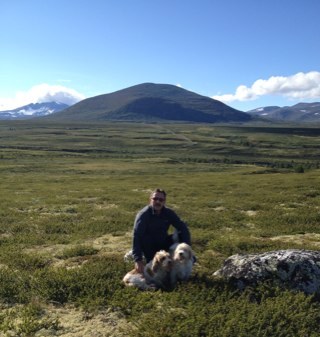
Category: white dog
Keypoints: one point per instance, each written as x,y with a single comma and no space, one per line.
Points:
156,273
182,256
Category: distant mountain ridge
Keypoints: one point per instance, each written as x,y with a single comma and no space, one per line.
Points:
152,102
161,102
33,110
299,113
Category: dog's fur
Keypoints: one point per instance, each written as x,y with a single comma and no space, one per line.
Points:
182,256
156,273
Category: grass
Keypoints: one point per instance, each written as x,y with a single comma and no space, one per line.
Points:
69,195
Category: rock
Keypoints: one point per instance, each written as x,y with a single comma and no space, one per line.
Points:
296,269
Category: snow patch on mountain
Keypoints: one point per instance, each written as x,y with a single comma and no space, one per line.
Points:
33,110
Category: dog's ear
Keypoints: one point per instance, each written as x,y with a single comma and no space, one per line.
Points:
190,254
156,264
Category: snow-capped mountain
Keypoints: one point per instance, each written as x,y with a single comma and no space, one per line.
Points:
33,110
299,113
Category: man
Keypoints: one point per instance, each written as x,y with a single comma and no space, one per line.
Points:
150,231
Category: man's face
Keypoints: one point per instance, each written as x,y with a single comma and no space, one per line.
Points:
157,201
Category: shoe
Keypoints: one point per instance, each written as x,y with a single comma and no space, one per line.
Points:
128,257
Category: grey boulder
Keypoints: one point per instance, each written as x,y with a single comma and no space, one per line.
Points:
295,269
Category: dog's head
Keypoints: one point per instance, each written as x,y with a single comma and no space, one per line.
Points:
161,260
183,252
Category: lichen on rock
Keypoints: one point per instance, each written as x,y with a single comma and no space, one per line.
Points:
296,269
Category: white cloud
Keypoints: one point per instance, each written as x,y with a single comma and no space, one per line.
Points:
41,93
298,86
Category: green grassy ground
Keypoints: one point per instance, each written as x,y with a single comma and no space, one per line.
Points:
69,195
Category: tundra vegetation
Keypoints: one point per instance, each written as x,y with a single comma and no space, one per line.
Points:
69,194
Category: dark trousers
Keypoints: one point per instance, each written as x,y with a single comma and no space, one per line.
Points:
150,246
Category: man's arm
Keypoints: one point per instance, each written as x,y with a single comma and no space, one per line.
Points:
139,230
181,227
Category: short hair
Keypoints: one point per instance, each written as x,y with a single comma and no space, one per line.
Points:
159,190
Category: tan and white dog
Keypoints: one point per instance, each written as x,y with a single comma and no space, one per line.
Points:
182,256
156,273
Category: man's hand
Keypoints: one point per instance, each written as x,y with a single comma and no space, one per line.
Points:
139,266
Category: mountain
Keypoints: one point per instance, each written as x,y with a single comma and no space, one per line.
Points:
300,113
152,102
33,110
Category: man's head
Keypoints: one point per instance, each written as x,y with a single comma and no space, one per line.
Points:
158,199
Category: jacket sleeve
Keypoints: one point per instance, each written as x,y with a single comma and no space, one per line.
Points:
181,227
139,230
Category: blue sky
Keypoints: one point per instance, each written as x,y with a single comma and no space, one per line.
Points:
247,53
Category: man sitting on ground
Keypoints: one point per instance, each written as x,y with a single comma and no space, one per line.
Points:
150,231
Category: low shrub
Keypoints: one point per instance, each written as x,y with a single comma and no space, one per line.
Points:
79,250
231,314
94,282
26,320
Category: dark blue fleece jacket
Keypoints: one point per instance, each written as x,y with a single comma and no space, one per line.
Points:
152,229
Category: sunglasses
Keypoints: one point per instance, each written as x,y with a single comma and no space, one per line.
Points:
158,199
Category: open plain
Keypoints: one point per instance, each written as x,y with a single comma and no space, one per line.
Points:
69,195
